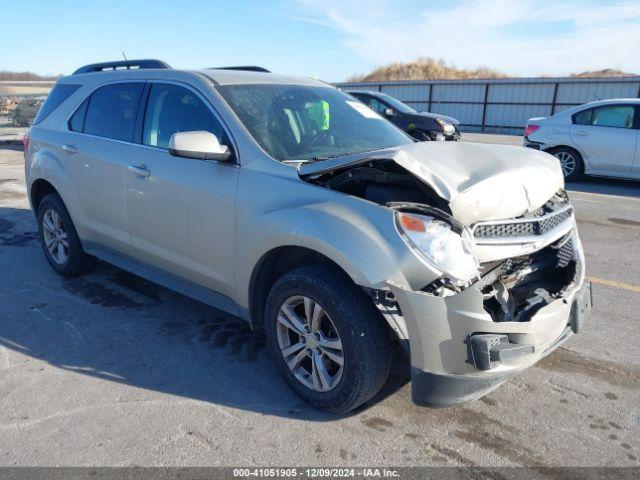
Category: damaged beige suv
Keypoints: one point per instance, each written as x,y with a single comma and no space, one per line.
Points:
290,204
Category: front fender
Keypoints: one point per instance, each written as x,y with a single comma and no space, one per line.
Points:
362,241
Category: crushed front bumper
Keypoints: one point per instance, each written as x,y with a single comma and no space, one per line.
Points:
445,366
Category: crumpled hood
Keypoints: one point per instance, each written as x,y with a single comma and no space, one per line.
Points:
483,182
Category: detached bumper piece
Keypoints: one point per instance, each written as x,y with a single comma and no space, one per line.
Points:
582,303
488,350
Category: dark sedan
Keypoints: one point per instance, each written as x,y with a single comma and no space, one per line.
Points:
422,126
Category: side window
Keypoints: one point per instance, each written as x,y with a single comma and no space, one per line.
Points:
76,123
364,99
583,117
377,106
55,98
172,109
620,116
112,111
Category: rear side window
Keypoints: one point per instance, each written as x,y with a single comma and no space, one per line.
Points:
58,95
76,124
583,117
112,109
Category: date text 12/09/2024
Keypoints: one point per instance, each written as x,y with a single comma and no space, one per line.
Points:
316,473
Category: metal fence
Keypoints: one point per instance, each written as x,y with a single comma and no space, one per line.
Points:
20,101
502,105
497,105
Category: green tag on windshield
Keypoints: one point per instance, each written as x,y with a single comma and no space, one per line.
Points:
319,114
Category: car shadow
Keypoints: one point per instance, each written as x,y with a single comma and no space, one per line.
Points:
118,327
605,186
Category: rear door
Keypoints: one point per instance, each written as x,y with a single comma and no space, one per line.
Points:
182,211
607,135
101,149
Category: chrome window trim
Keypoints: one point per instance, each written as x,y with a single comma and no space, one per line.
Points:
179,83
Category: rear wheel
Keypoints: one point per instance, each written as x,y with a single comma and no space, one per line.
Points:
570,161
59,239
327,338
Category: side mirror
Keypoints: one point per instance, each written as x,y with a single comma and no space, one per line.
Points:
389,112
200,144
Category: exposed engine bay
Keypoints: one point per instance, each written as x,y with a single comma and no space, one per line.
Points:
382,182
514,288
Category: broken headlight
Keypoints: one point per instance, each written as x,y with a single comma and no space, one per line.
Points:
443,248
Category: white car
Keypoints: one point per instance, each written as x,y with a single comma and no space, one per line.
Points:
598,138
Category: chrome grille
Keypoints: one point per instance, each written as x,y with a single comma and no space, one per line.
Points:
522,228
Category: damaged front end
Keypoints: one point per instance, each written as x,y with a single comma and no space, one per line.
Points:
466,340
506,272
465,345
528,298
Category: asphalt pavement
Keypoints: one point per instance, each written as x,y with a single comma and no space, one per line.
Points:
112,370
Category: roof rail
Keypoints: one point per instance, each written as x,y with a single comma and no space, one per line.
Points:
122,64
248,68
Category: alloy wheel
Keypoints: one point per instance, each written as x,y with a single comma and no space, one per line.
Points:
55,236
567,162
310,343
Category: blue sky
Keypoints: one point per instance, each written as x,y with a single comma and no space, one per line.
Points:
329,39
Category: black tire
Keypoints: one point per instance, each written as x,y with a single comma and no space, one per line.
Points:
366,343
77,262
567,152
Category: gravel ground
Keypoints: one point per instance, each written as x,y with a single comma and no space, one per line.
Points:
112,370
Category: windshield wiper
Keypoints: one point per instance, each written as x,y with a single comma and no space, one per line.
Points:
304,161
320,158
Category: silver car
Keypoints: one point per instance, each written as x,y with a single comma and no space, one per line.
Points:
292,205
598,138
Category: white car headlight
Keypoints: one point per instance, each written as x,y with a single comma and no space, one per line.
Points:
443,248
447,128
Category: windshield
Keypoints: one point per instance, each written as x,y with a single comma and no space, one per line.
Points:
295,122
395,103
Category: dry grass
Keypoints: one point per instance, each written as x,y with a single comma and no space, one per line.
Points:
606,72
425,68
24,76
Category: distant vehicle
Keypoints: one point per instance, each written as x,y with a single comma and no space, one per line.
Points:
597,138
420,125
7,104
25,110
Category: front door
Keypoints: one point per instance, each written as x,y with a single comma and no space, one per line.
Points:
182,211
